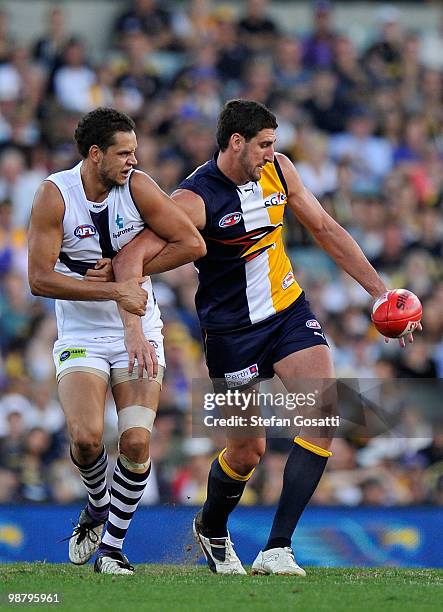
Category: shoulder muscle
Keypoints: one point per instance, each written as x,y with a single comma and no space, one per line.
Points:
192,204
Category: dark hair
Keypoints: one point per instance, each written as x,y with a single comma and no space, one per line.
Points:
244,117
98,128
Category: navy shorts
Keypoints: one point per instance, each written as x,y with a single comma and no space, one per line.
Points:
239,357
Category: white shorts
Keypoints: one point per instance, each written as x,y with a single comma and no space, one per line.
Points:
103,354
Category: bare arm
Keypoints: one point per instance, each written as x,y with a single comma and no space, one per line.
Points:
45,239
150,252
183,241
331,236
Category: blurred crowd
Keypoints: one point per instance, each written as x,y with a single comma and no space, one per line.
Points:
363,125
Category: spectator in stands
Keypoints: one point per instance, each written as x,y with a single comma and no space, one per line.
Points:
431,46
319,46
148,17
370,156
257,29
433,453
232,54
383,59
317,172
137,78
33,476
12,443
49,48
352,80
189,485
15,310
373,493
327,108
74,79
6,41
289,73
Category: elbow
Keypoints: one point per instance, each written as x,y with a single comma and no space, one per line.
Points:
197,247
323,232
321,235
35,285
118,264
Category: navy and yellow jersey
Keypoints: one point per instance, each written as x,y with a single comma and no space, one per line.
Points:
246,276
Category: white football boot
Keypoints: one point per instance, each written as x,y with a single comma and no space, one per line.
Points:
85,538
219,552
113,563
277,561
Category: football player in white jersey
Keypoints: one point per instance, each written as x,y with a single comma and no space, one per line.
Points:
80,219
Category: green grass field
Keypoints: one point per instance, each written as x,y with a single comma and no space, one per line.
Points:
194,588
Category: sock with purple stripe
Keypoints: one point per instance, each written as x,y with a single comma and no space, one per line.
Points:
94,479
126,491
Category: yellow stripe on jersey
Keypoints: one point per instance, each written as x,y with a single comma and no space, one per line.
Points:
284,288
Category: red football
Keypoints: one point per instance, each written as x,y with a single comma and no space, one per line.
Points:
396,313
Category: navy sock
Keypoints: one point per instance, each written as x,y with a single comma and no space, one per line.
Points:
223,495
302,474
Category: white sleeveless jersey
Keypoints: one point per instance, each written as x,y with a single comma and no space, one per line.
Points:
93,230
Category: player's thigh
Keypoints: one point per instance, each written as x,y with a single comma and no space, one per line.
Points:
314,362
129,389
311,371
82,396
301,350
82,370
137,392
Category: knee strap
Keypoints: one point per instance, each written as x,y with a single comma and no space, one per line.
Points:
135,416
134,467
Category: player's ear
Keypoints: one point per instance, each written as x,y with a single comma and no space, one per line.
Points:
95,153
236,141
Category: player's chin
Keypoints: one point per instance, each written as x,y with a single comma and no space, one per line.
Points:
122,178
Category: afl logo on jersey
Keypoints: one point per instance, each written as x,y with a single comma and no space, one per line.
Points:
313,324
230,219
84,231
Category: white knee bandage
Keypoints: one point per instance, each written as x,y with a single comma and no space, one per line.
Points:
135,416
132,466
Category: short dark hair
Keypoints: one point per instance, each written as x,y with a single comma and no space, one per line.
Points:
244,117
98,128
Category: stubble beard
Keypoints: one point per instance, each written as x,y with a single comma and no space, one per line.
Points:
107,181
249,171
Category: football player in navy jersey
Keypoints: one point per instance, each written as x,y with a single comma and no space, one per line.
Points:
255,319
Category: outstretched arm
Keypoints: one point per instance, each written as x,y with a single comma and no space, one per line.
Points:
331,236
45,239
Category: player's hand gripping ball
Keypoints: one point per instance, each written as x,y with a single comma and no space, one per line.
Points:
397,313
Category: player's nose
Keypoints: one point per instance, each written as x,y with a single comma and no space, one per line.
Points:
269,156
